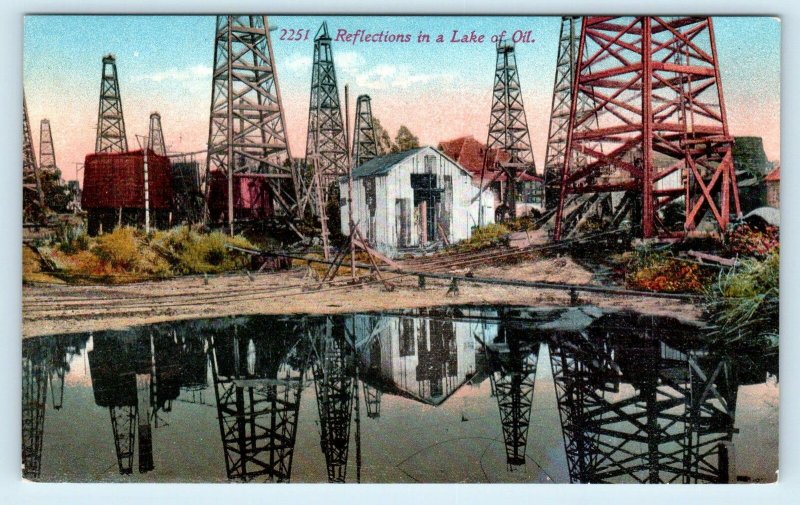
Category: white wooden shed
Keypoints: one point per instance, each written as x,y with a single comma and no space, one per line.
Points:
412,200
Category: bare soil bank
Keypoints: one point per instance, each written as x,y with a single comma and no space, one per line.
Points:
49,309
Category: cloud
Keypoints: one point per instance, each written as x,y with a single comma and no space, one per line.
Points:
349,61
175,74
397,76
298,62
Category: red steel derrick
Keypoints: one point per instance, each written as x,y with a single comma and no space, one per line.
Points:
657,133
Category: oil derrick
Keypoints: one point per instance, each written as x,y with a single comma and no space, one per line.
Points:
47,153
365,145
333,382
247,133
258,380
508,135
34,405
111,136
372,395
326,142
561,107
658,117
34,207
155,137
672,423
512,383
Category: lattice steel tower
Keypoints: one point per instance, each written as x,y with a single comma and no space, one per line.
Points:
326,135
155,137
47,153
660,122
111,136
365,145
33,202
508,130
247,132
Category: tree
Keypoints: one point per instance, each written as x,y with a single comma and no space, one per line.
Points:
382,138
404,140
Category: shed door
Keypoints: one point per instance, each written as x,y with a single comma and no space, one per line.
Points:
402,227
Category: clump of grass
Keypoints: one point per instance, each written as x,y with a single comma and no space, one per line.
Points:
743,305
660,271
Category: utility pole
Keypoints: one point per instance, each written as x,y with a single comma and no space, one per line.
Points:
146,142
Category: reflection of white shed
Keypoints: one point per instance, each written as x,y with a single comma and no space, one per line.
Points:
413,199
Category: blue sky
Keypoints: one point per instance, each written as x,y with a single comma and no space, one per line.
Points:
439,90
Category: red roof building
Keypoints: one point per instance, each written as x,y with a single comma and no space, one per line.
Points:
469,153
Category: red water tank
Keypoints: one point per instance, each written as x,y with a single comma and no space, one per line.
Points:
116,180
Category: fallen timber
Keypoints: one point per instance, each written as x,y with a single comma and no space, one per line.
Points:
455,278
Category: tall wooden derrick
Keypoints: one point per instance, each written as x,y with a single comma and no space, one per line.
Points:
512,382
365,145
672,423
111,137
34,207
247,133
336,390
508,155
326,145
656,133
258,381
561,108
47,153
155,136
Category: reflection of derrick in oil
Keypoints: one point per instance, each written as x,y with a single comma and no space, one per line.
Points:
45,363
34,404
512,379
135,375
671,420
258,379
334,383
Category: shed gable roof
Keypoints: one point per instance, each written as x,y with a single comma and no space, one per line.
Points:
382,165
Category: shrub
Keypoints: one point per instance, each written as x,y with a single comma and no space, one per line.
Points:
486,236
659,271
120,248
746,240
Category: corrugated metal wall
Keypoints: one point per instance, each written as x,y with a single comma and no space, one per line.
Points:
384,205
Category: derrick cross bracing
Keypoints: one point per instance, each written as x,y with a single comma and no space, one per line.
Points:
326,136
667,424
34,206
258,381
658,115
155,137
111,136
512,384
334,385
247,132
365,145
508,156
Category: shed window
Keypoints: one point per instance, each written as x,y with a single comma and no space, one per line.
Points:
430,163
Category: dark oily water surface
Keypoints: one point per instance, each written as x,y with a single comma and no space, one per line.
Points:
460,394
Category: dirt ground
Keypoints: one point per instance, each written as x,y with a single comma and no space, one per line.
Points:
50,308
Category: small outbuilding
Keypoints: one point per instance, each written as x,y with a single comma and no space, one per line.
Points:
412,200
773,183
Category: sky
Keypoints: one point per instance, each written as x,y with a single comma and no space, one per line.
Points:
440,91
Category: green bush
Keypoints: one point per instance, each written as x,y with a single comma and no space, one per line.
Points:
489,235
743,305
194,253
